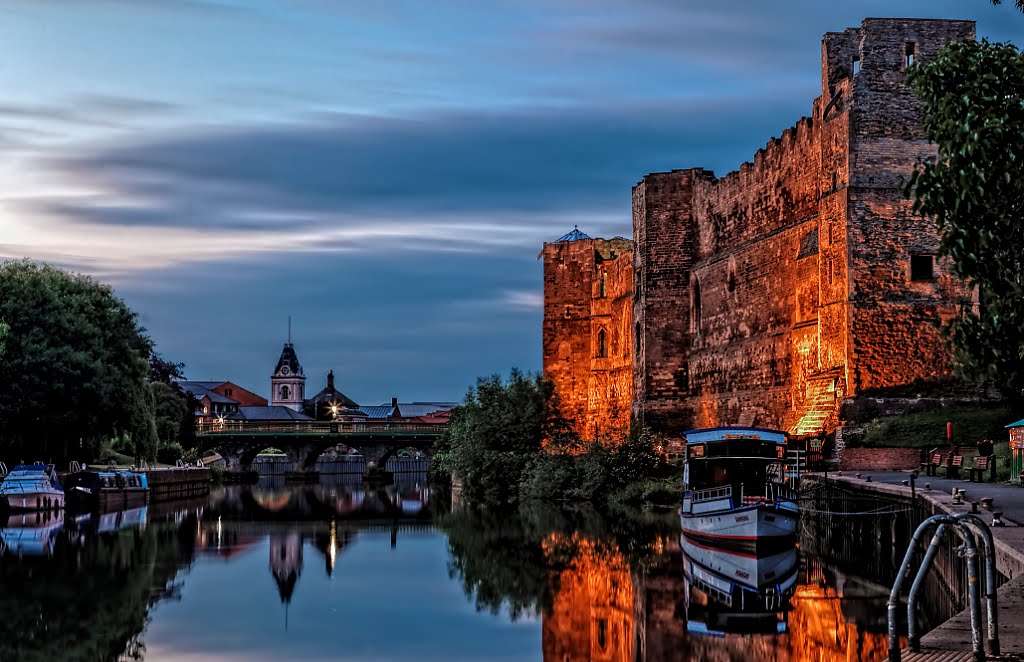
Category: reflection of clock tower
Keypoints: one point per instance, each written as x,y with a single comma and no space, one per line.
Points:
287,385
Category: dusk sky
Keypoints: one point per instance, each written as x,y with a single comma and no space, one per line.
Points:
384,172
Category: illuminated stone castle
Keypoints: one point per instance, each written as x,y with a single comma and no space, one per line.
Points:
766,296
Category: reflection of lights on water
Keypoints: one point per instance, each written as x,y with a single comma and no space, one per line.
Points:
333,546
220,531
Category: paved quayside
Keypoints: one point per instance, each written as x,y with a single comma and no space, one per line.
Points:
952,640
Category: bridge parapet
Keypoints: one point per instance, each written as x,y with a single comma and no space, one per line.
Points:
315,427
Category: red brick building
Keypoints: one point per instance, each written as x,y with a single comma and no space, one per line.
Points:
766,295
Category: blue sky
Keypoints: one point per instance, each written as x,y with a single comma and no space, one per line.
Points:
383,172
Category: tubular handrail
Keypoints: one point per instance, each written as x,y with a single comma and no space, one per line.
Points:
970,553
991,600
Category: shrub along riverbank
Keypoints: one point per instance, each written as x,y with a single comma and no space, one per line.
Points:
509,442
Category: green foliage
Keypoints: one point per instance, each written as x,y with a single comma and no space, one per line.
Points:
973,97
74,371
4,329
169,408
169,453
604,470
497,433
928,429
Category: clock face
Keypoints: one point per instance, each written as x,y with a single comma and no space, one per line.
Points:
285,370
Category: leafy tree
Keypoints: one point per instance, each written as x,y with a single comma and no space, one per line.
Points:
973,98
493,437
164,371
75,368
3,334
170,407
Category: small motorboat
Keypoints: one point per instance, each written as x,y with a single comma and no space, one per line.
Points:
32,487
108,490
735,495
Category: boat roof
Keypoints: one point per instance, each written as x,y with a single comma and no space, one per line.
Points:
37,466
703,436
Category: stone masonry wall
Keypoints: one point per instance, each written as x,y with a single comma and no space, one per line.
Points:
767,295
588,349
795,268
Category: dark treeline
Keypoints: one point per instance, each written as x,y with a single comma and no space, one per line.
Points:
81,378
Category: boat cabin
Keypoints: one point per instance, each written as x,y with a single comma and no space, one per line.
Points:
740,461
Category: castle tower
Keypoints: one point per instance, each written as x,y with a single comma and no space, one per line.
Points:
288,383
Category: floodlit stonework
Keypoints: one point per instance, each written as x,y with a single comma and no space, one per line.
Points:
767,295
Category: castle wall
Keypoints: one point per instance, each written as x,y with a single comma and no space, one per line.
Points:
795,268
889,310
588,290
767,295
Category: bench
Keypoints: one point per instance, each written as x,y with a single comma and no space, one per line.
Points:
929,468
983,464
953,468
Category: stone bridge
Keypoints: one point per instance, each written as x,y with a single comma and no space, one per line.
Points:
239,442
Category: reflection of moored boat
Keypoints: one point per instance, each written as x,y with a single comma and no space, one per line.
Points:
738,593
32,487
115,489
32,534
735,496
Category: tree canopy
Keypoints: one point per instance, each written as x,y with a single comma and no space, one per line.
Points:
75,369
973,97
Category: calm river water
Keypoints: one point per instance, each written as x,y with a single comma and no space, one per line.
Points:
336,572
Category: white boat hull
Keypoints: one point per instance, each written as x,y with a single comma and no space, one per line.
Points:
757,529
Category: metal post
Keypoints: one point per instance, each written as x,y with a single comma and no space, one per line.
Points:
971,554
913,636
991,599
913,488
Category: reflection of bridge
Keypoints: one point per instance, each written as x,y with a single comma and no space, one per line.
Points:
239,442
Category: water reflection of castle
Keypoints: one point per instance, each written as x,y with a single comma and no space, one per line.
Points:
605,611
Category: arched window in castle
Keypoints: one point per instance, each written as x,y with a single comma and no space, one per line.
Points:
639,337
604,285
695,305
284,392
730,281
602,344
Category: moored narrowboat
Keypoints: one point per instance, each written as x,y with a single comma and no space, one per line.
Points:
104,491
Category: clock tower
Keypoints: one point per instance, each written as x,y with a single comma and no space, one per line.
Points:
287,384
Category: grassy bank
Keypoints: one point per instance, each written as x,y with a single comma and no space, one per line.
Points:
928,429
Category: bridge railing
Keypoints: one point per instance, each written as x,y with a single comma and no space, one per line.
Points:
315,427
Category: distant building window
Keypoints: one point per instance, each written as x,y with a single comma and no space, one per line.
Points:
602,633
911,54
856,65
284,392
604,285
922,268
602,344
227,392
639,337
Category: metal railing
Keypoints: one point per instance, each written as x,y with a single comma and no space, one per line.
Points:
965,525
711,494
315,427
